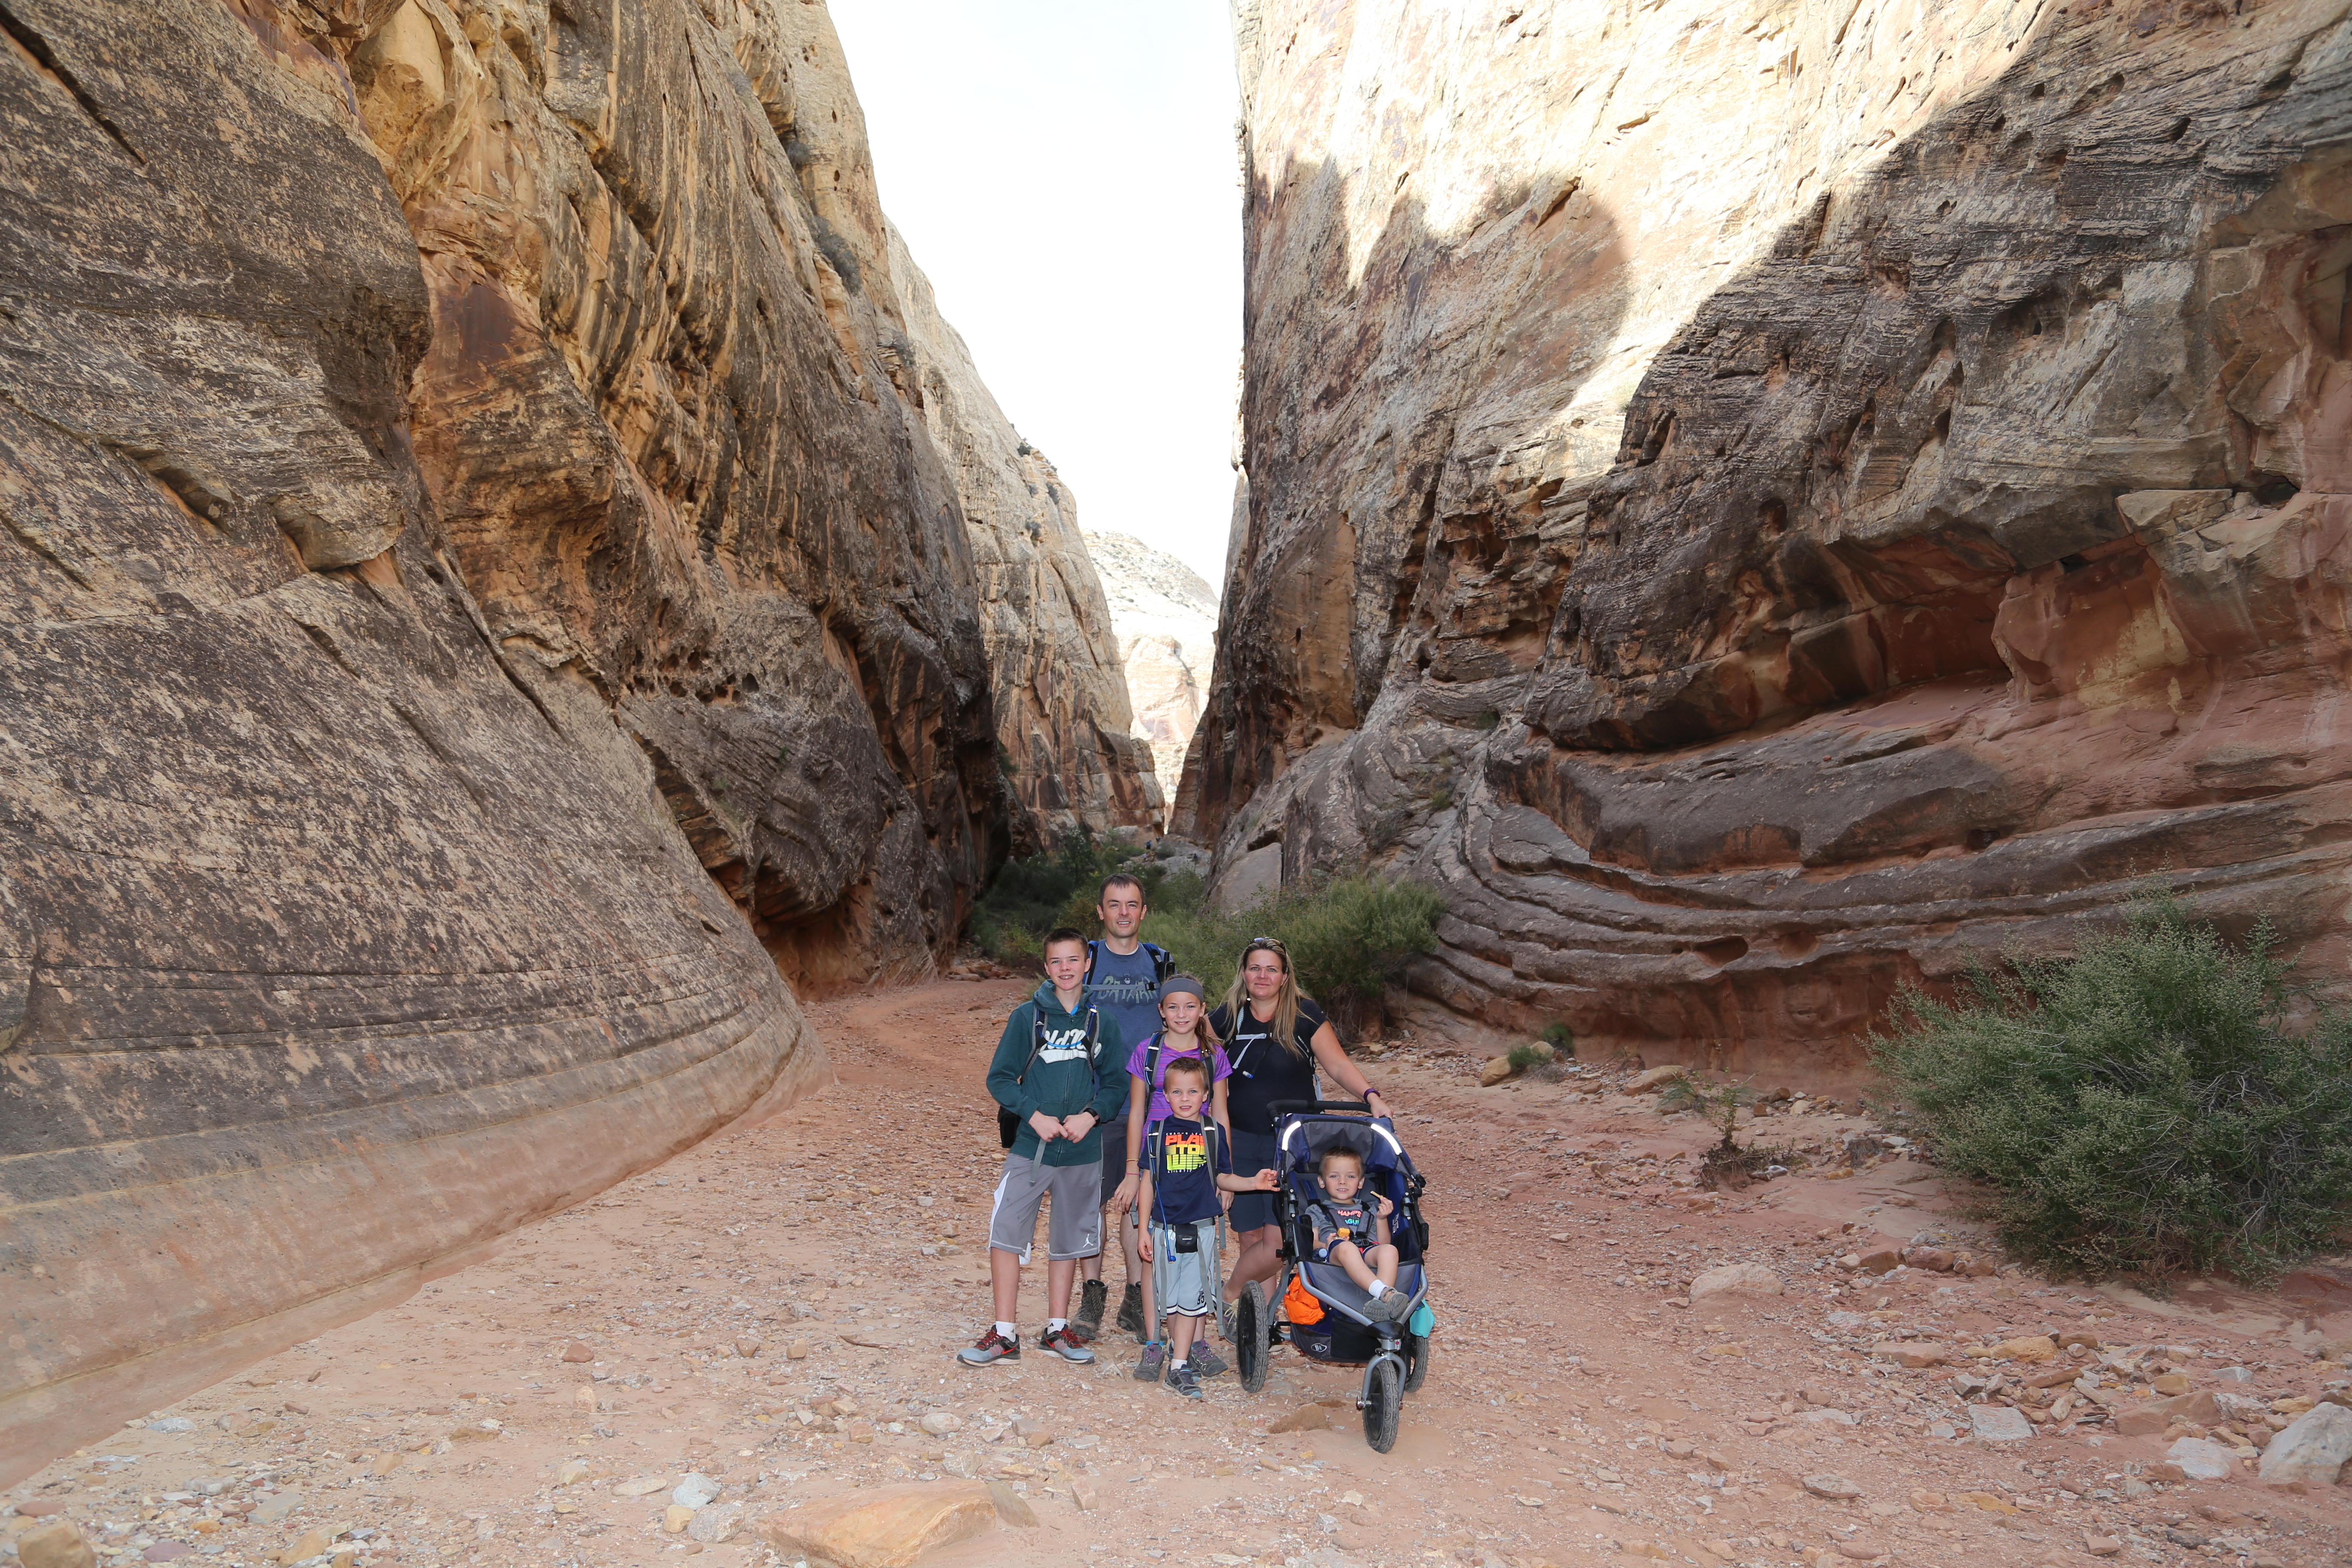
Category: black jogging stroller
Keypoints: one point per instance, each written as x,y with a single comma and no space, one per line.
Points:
1315,1305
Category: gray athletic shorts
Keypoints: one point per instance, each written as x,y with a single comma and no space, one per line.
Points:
1181,1280
1075,1229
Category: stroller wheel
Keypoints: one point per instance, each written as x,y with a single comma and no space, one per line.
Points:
1383,1402
1416,1362
1250,1347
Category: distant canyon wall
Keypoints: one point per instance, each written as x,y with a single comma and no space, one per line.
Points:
1165,619
1063,718
483,593
1759,504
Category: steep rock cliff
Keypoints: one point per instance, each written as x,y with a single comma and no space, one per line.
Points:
670,417
1759,503
1061,693
1165,619
468,513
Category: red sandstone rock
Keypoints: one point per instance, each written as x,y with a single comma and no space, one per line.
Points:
1743,594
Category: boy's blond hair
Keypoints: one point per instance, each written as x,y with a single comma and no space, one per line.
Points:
1191,1067
1323,1166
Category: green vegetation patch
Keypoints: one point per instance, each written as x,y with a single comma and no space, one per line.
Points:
2145,1107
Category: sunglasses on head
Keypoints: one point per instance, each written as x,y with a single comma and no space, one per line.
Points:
1274,942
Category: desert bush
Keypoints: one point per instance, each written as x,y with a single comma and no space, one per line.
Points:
1717,1103
1030,897
2144,1107
1560,1037
1345,936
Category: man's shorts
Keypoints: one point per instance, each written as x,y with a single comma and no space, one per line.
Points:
1075,1229
1114,1166
1180,1280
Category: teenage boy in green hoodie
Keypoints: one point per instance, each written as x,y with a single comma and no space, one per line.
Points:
1060,1068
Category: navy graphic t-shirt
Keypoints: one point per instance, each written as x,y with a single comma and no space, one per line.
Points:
1125,986
1185,1160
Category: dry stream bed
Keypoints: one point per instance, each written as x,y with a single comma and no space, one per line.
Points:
768,1319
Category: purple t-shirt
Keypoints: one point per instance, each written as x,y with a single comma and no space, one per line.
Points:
1219,1068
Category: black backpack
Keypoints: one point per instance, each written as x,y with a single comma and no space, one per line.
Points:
1008,1126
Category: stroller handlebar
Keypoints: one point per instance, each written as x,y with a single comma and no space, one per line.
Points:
1316,1107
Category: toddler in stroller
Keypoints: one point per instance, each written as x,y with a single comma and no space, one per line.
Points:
1353,1288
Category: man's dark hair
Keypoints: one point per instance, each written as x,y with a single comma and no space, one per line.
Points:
1117,880
1063,934
1191,1066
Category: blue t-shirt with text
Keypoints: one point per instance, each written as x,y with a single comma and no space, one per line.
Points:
1125,986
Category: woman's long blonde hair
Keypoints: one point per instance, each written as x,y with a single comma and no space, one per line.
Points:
1286,1002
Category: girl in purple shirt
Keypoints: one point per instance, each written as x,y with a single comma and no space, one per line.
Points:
1184,1032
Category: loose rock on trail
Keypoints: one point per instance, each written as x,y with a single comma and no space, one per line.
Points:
768,1320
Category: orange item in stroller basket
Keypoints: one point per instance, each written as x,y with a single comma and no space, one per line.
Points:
1298,1305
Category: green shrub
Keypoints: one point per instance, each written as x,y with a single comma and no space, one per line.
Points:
2141,1108
1346,938
1030,897
1717,1103
1560,1037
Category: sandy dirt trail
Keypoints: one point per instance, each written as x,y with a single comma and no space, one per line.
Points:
1578,1411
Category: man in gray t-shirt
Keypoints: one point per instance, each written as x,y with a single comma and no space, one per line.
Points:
1122,983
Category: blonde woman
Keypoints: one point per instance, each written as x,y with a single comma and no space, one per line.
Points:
1276,1039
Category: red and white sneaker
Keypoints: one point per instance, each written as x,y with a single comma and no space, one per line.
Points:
989,1349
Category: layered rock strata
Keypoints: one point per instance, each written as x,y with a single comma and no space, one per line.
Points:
1165,617
472,539
1061,686
1762,504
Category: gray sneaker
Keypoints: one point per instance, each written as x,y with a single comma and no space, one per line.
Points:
992,1348
1392,1305
1206,1362
1151,1363
1184,1379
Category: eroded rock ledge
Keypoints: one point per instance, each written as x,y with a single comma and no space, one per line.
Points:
1763,504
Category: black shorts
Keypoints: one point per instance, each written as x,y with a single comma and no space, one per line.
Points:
1115,1166
1253,1152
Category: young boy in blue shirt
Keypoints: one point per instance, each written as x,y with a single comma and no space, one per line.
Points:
1185,1164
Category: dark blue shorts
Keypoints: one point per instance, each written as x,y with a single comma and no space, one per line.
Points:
1253,1152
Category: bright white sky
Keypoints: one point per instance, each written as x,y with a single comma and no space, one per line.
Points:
1064,170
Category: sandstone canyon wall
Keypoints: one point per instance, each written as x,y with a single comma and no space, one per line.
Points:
1061,691
1165,617
481,595
1760,502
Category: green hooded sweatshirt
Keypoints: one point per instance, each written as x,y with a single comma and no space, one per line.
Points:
1062,1082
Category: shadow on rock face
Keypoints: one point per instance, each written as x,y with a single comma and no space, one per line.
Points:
1956,560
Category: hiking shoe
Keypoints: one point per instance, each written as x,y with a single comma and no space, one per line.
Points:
1151,1363
991,1348
1065,1344
1086,1321
1184,1379
1205,1361
1393,1306
1225,1320
1131,1310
